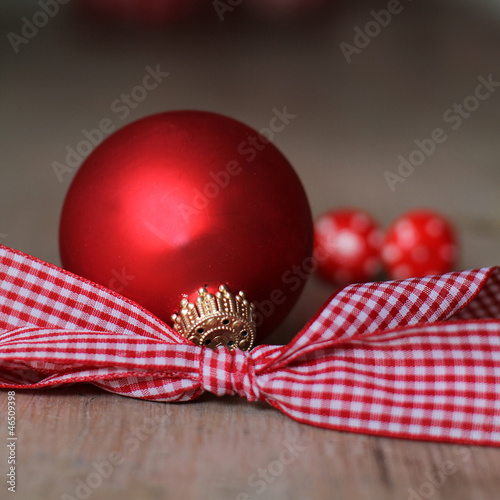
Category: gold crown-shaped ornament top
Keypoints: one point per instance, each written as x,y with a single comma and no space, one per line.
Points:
215,320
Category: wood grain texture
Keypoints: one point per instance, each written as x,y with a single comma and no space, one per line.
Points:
353,121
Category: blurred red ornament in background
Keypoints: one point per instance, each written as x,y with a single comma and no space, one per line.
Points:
165,12
183,199
419,243
286,8
141,12
347,246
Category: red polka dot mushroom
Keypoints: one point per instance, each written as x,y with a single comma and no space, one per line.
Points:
347,246
419,243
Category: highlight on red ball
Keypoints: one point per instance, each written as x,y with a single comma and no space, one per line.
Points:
419,243
347,246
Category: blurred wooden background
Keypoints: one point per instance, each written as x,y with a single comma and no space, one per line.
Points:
353,121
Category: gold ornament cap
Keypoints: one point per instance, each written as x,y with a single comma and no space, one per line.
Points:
216,320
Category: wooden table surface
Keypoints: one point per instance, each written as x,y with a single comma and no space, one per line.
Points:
353,120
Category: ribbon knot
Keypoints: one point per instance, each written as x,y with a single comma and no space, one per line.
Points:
225,372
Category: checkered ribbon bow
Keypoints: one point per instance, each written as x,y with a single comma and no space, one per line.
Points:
418,358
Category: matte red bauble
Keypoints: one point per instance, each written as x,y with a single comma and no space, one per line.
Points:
183,200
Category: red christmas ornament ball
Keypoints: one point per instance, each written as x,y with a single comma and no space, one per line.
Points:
347,245
419,243
183,199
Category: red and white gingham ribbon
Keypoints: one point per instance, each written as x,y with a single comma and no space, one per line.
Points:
418,358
